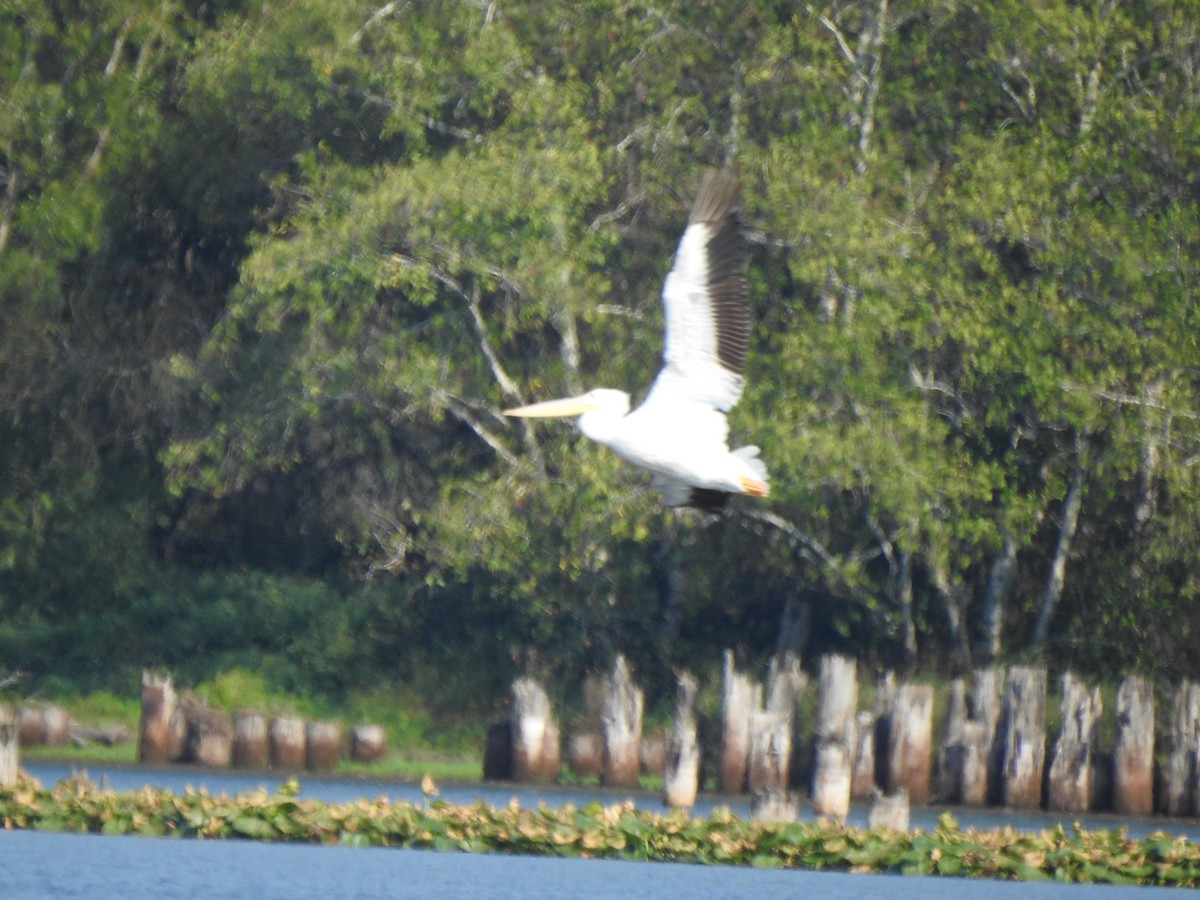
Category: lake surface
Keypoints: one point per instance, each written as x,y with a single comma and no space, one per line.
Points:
37,864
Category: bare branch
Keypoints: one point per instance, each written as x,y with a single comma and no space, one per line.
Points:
382,13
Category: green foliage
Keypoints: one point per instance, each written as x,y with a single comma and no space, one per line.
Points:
272,272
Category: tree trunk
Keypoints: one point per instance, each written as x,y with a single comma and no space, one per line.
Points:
322,746
836,707
250,749
991,612
158,711
742,697
1071,771
773,805
10,746
536,754
1066,536
622,729
1024,727
1179,781
681,775
910,747
368,743
1133,753
287,741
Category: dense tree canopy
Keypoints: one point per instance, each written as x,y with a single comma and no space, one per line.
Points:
270,272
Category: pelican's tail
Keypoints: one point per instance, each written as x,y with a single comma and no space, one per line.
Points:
754,471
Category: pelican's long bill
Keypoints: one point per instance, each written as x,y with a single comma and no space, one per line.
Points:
568,406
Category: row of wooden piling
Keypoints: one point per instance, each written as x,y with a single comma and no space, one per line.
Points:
184,729
994,749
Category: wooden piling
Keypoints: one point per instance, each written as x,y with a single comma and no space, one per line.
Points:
862,773
156,725
209,740
585,754
31,726
681,770
770,752
10,746
368,743
772,804
498,752
910,744
1024,724
1071,780
1133,751
250,748
950,755
889,810
622,728
973,752
742,696
1179,776
536,752
836,703
987,704
288,743
322,746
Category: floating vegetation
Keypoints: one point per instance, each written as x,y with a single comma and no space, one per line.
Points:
620,831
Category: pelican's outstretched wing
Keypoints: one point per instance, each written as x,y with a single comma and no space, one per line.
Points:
708,323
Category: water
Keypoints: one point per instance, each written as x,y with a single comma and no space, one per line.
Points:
53,865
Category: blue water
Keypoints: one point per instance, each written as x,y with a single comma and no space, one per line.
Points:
53,865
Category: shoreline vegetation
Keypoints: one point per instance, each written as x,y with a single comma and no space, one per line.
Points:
599,831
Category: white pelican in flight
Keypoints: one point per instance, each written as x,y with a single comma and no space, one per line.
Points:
679,433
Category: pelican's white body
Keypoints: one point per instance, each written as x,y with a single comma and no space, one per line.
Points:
679,433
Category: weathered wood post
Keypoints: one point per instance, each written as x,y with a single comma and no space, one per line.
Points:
10,749
322,746
622,722
1024,724
158,711
889,810
58,726
862,775
287,740
498,752
31,726
770,752
910,745
974,751
1133,751
1179,777
681,773
250,750
368,743
987,703
585,748
1071,770
536,753
741,697
836,702
950,755
209,739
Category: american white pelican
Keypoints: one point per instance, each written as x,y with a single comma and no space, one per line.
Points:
679,433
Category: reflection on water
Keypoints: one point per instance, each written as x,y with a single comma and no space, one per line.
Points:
342,789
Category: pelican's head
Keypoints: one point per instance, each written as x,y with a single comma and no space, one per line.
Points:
599,400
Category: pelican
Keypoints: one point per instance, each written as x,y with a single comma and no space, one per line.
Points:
679,433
